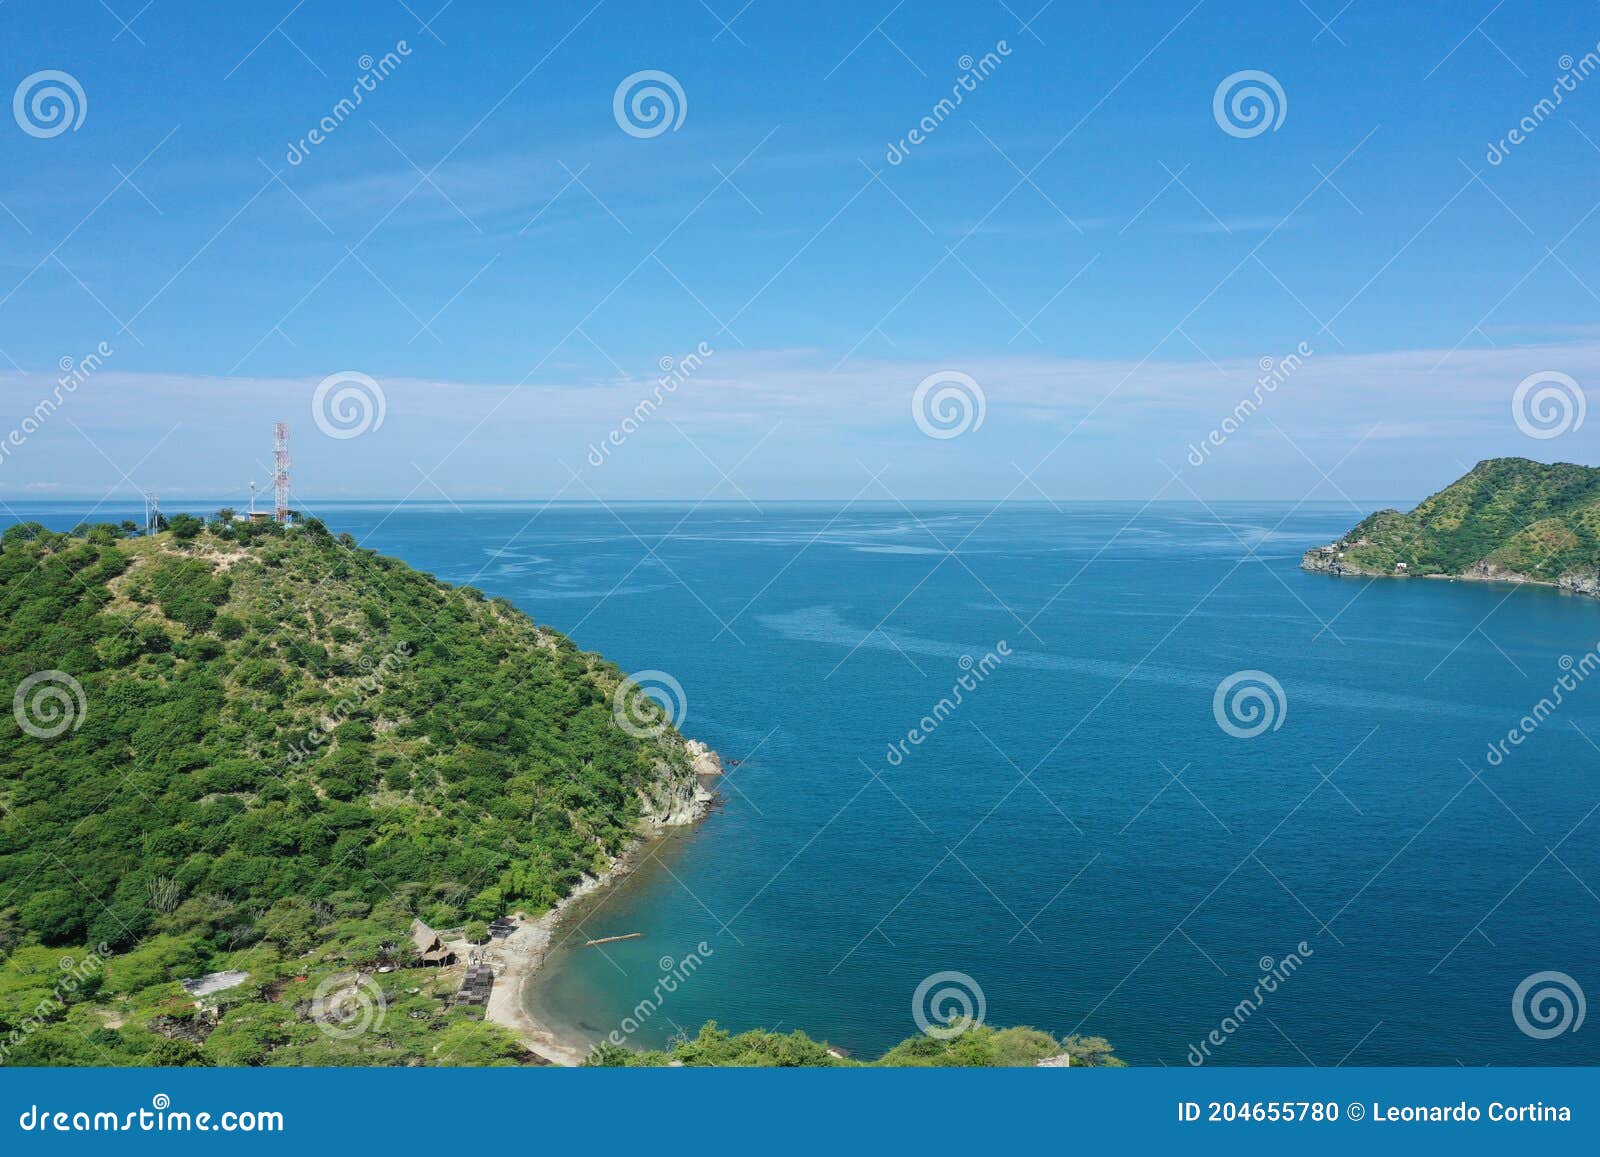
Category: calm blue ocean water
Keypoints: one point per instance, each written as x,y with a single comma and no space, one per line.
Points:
1079,837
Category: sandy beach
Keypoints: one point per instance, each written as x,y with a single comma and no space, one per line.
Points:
523,952
518,957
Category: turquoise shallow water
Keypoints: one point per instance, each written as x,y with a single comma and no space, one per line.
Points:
1079,837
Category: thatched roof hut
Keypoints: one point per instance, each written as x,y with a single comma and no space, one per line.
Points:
429,946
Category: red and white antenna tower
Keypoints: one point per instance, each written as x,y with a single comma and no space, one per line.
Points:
280,472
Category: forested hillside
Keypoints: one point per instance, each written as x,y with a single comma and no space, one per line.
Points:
239,746
1506,517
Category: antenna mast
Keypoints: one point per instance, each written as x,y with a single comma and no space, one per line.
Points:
280,472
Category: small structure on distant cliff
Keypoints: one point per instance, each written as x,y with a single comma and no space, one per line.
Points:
429,946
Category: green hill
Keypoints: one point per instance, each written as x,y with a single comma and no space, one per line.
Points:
1508,519
974,1046
248,758
268,750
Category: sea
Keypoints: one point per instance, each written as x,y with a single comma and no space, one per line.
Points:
1106,769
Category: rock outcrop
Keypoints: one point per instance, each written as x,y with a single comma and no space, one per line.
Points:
677,798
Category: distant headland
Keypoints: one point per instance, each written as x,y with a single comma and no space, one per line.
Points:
1506,520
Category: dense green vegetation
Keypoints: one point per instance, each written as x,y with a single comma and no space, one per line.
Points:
1517,516
287,748
981,1046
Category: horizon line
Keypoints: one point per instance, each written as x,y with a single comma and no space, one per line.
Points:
754,500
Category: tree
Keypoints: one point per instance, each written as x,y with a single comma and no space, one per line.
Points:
185,527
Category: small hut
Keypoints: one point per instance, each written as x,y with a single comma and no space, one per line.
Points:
429,946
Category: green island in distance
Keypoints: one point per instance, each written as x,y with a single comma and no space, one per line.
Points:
1506,520
257,755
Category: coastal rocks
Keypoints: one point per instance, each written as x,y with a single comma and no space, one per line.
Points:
675,805
702,760
1330,560
678,798
1485,571
1581,582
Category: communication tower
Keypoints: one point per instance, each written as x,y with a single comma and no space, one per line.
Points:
280,472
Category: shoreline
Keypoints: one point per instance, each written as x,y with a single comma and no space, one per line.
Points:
522,954
1577,585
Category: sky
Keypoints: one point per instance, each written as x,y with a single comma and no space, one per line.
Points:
1061,286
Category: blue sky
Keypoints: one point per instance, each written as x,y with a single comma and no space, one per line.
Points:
1080,237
